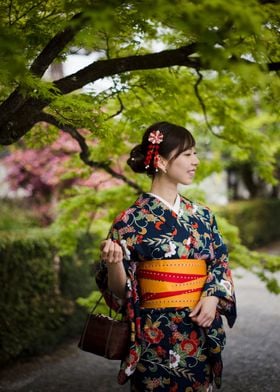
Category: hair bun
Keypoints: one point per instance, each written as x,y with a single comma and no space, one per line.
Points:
136,159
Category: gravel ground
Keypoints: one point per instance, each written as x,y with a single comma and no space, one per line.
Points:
251,357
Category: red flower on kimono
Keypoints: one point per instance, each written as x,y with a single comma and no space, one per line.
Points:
124,215
176,336
160,351
176,319
120,217
133,357
153,334
190,345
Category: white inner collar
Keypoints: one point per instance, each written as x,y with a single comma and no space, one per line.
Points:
175,207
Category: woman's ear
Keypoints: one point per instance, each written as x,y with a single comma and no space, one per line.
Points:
162,164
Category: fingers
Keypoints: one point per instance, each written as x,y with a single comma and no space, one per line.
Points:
204,313
196,310
103,243
203,320
111,252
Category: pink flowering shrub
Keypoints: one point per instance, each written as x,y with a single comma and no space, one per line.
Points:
41,172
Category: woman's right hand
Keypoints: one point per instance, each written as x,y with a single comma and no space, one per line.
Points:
111,252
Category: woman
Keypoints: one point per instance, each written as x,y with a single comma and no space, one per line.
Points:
165,259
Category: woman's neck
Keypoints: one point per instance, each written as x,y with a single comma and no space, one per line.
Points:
165,189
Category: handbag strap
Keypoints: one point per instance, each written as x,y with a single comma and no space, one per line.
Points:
110,310
97,303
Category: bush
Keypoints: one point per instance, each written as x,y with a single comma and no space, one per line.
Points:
38,293
15,217
257,220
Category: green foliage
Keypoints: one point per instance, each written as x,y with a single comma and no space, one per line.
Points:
34,87
68,110
234,44
30,304
253,224
27,26
91,301
15,218
38,293
87,211
39,138
257,221
270,265
240,129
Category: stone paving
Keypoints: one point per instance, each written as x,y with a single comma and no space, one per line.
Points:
251,357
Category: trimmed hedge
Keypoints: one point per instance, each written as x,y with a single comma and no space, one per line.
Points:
38,294
257,220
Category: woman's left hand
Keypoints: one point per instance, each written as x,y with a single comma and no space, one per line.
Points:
204,312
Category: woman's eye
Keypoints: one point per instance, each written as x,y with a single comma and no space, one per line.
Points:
189,153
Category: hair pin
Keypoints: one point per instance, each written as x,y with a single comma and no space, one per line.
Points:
155,138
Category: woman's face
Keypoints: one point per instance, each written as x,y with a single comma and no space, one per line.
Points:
182,169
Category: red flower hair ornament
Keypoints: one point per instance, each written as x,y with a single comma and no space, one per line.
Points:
155,138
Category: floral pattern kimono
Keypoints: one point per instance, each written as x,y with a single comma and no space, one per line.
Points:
169,352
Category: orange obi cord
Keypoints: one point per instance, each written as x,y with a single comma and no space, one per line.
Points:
171,283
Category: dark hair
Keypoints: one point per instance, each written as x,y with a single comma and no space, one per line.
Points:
175,139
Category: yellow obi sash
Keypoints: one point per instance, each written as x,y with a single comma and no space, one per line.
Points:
171,283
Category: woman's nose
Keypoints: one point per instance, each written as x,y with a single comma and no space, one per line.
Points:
195,160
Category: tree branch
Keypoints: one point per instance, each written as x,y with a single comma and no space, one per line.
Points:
271,66
10,6
26,12
85,152
274,66
269,1
15,101
166,58
119,111
57,44
18,114
200,100
103,68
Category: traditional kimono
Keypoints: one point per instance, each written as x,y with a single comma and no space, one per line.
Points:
168,351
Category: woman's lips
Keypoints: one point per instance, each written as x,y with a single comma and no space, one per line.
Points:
191,172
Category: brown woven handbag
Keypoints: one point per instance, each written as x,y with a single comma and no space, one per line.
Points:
105,336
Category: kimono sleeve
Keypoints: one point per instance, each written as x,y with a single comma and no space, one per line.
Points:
219,281
101,276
